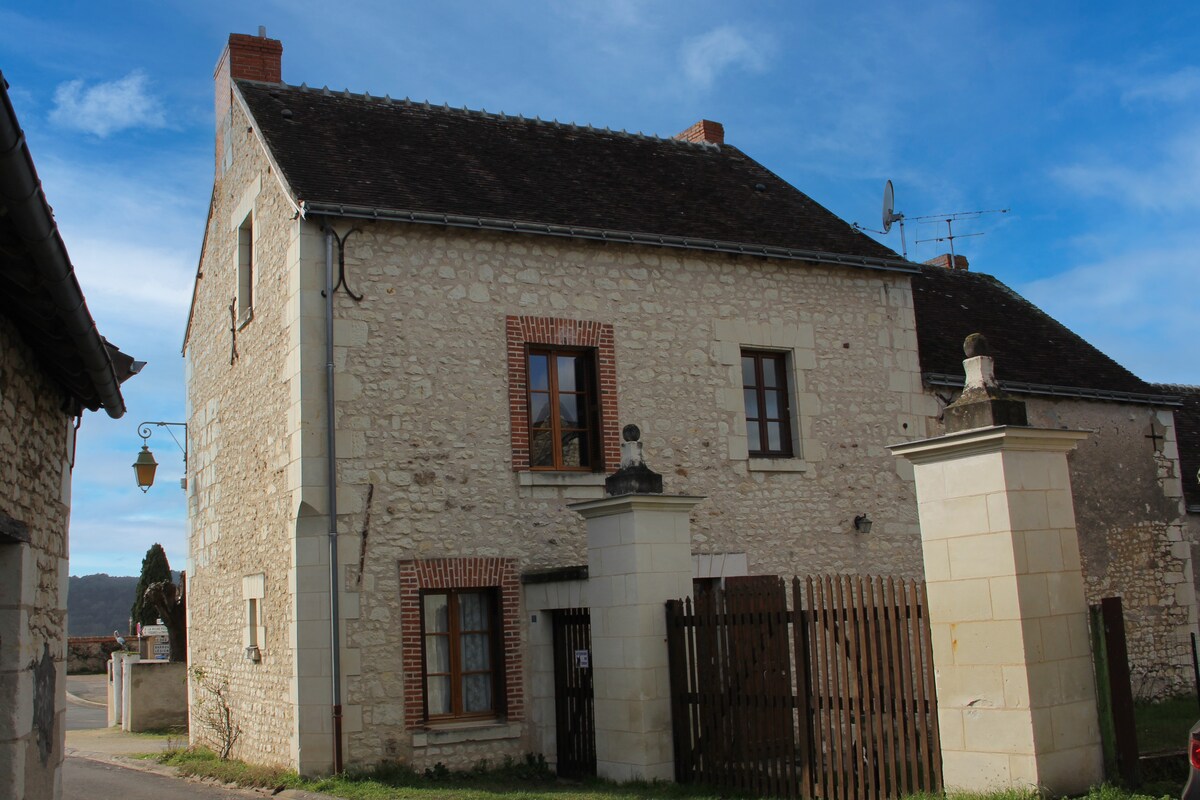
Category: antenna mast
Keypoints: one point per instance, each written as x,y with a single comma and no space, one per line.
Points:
890,216
950,219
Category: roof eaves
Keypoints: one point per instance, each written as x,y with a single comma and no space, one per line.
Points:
601,234
31,213
1021,387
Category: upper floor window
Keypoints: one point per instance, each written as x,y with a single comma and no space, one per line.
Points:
245,269
765,393
562,409
562,395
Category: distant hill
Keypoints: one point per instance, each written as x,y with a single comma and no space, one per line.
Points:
97,605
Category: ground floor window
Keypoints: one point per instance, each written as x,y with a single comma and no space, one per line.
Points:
460,640
460,662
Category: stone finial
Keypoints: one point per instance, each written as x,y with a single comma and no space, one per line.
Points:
634,477
982,404
976,344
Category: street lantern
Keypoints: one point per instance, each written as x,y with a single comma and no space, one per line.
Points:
145,465
144,468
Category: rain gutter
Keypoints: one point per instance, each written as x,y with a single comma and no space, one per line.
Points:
1020,387
606,235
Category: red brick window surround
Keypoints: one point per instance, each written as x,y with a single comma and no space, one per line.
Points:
497,574
524,332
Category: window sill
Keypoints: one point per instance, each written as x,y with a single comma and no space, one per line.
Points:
777,465
544,484
245,318
444,733
549,478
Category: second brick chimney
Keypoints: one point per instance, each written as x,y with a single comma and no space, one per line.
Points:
254,58
704,131
943,261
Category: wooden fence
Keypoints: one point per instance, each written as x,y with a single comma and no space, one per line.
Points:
829,697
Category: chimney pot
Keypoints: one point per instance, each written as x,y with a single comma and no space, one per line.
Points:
703,131
943,261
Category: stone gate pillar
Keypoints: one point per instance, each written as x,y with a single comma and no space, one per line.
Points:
1016,696
639,557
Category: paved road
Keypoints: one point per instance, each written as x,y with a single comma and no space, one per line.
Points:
88,780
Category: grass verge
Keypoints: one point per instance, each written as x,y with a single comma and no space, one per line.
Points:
527,780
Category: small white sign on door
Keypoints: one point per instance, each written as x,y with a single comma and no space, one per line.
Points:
582,659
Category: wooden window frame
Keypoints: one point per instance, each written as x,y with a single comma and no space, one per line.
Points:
591,415
495,636
761,448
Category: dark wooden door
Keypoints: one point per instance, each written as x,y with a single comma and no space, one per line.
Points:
573,703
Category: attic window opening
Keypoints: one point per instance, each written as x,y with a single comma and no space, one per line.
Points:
245,270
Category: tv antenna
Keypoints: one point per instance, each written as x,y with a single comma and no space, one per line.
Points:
890,216
950,219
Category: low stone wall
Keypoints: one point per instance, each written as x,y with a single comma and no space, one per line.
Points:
88,655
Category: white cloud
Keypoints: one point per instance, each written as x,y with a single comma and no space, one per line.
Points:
705,57
1166,184
1139,306
106,108
1175,87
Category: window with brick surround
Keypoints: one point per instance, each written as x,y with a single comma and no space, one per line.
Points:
459,634
562,391
460,644
765,393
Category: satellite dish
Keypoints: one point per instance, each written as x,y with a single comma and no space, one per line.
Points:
889,206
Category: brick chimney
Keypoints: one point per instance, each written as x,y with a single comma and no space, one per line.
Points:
254,58
943,261
704,131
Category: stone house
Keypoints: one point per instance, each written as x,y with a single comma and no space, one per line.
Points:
53,365
478,302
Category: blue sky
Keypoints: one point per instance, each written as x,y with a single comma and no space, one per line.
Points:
1082,118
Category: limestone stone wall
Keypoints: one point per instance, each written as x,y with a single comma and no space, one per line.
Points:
35,481
1130,516
88,655
423,418
241,512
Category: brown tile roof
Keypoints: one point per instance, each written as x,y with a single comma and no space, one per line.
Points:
340,149
1034,353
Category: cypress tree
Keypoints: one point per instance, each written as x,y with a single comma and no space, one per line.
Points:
154,569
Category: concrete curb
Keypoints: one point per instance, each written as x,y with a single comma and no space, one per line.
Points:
76,698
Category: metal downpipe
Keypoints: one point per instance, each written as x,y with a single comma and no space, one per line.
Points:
331,457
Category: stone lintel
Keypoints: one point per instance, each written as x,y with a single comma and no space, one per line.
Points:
988,440
626,503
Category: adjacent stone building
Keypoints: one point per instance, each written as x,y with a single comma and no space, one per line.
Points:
1126,476
478,302
53,365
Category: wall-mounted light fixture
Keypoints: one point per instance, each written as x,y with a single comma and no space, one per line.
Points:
863,523
145,465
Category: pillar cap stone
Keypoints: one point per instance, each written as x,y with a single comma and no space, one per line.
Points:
634,476
988,440
982,404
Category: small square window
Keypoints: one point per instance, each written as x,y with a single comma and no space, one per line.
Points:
766,392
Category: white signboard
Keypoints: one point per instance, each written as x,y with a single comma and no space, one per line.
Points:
154,630
582,658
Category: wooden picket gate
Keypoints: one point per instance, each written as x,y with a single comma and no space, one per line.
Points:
831,698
